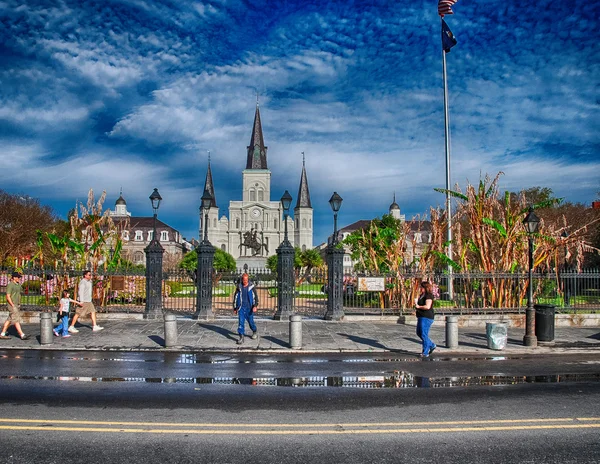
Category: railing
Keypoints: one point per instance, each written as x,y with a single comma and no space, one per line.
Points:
124,291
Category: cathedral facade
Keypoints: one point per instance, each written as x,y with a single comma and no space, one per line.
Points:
255,225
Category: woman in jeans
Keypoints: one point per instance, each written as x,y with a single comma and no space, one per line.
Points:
424,307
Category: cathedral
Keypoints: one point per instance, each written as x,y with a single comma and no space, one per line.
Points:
255,226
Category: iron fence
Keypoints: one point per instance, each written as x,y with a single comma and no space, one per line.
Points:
124,291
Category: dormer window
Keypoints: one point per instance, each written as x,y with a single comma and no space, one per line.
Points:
139,235
150,235
164,236
125,235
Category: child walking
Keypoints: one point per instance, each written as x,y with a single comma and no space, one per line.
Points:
63,310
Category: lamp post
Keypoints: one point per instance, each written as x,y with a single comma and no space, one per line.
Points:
204,272
335,268
154,269
531,223
285,268
565,278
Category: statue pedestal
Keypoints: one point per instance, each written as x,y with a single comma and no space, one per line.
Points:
253,262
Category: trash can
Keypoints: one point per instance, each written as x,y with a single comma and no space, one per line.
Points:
497,335
544,322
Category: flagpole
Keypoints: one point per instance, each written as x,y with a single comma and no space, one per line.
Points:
448,184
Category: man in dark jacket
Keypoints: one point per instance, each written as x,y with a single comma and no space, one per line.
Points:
245,302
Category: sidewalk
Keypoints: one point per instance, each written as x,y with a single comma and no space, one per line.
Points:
319,336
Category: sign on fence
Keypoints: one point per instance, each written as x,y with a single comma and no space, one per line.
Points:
371,284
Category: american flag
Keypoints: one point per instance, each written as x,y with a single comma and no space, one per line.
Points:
444,7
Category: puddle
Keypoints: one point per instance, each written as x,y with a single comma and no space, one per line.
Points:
396,380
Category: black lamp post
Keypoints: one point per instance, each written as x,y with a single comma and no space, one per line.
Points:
335,268
204,272
285,268
565,277
531,223
154,269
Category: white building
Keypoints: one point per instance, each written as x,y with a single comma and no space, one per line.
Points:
256,219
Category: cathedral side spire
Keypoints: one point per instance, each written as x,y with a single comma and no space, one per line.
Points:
257,152
303,192
208,184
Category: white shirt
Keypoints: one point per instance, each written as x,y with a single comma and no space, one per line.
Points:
85,291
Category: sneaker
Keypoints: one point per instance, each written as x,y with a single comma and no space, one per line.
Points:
432,349
56,333
240,340
24,337
3,336
66,336
97,328
73,330
254,335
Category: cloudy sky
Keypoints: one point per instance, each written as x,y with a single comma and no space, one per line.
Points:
132,94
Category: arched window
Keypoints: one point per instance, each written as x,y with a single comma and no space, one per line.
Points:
261,195
252,195
223,247
310,223
275,224
296,222
304,223
237,223
138,257
215,223
303,247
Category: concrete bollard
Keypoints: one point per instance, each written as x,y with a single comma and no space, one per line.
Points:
46,327
296,332
170,330
451,331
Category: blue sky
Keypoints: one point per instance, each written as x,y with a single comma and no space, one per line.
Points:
132,94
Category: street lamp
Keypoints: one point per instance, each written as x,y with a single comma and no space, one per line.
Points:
154,267
335,268
285,268
531,223
206,199
286,201
155,200
336,203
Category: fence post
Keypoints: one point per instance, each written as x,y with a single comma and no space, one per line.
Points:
46,328
154,279
451,331
296,332
170,330
204,287
335,277
285,281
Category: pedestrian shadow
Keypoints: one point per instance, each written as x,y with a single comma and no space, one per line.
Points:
276,341
595,336
157,339
220,330
365,341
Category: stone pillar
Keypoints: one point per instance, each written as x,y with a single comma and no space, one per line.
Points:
154,277
335,284
204,287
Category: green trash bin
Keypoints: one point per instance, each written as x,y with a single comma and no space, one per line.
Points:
544,322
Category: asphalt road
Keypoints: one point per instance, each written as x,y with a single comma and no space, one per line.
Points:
140,408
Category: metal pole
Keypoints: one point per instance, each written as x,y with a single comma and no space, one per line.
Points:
206,225
448,181
334,239
45,328
170,330
154,276
295,332
285,277
530,339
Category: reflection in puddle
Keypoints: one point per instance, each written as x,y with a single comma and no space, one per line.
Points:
397,380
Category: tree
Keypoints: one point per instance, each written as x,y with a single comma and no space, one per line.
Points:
223,261
271,263
20,217
309,260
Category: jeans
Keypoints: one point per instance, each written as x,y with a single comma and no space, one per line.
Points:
245,314
63,326
423,326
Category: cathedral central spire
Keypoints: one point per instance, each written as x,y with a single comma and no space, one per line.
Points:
208,184
257,152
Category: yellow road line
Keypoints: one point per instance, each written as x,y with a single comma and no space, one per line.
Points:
299,432
245,425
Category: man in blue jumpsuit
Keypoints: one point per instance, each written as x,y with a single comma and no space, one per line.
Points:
245,302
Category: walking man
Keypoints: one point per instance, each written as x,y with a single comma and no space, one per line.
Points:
13,301
245,302
87,307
